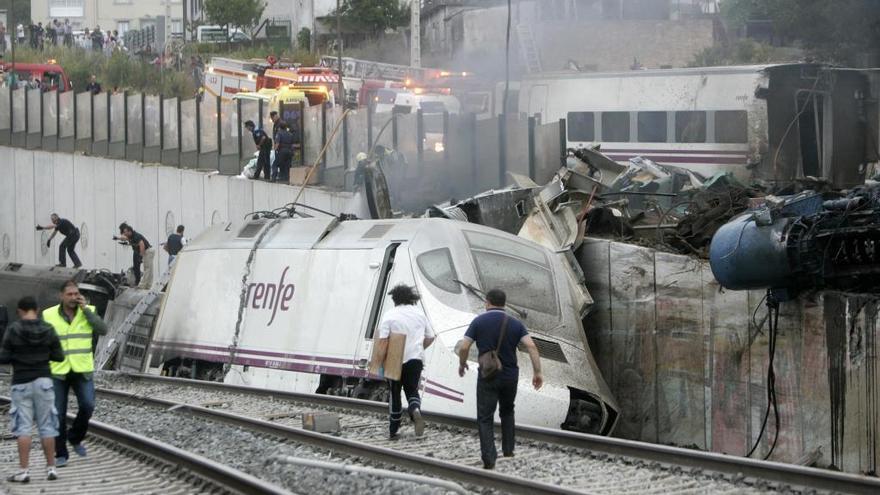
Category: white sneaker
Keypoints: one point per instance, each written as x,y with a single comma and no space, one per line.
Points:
20,477
51,473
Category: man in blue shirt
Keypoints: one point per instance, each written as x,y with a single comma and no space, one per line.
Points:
499,391
264,145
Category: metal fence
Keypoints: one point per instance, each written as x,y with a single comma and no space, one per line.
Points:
446,155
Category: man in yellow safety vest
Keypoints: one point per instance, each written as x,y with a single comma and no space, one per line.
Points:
75,322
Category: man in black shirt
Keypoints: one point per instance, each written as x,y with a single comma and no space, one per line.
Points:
93,86
142,251
264,145
71,236
174,244
283,154
29,344
500,391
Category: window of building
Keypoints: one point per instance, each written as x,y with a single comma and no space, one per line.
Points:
690,127
581,126
437,267
731,126
122,27
176,26
651,127
66,8
615,127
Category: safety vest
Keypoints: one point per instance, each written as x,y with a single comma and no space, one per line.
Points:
76,341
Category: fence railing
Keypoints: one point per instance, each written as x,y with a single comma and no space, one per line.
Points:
446,155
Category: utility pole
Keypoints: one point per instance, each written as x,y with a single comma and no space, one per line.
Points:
415,47
341,96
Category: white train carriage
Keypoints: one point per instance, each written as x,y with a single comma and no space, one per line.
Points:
708,119
772,122
284,303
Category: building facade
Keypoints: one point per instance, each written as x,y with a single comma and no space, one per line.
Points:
119,15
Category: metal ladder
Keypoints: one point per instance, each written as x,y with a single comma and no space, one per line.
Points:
528,48
110,343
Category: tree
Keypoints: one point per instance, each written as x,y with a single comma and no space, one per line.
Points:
832,30
241,14
373,16
22,12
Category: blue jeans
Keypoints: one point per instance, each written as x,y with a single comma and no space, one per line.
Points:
84,388
492,393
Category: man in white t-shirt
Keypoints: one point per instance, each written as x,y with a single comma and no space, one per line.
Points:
406,318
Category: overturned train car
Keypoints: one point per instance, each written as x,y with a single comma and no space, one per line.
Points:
286,304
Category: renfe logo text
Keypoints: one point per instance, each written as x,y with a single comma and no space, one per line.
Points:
270,296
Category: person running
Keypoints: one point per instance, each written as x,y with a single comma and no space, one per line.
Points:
75,322
496,330
29,344
71,236
408,319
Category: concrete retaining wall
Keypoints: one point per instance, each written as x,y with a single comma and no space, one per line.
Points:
688,363
97,194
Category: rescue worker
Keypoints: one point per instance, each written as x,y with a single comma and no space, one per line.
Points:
264,146
75,322
277,123
283,154
68,245
142,251
29,344
408,319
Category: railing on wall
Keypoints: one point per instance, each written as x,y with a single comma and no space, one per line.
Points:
445,155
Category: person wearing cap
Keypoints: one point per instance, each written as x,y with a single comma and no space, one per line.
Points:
407,318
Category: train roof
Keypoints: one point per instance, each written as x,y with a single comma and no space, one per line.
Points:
691,71
327,233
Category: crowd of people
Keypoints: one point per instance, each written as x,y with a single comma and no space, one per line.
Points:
61,33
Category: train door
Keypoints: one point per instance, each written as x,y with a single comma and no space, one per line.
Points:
814,132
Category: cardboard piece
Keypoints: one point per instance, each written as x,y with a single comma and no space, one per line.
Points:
393,363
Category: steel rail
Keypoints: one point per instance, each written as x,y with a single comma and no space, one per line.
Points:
450,470
214,472
791,474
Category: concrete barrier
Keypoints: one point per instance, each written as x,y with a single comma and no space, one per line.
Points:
97,194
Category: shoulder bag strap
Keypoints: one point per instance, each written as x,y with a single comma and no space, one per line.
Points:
503,331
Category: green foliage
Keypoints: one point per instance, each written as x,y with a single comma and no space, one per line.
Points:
304,39
120,70
373,16
21,15
831,30
243,14
740,53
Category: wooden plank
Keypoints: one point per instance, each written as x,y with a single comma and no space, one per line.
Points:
814,385
680,351
632,339
728,366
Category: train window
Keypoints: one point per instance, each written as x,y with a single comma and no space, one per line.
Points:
731,126
651,127
494,243
690,127
437,267
615,127
521,270
526,284
581,126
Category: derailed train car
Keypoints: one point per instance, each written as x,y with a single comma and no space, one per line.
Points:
285,303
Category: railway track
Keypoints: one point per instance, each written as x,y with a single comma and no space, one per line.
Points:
120,461
546,460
